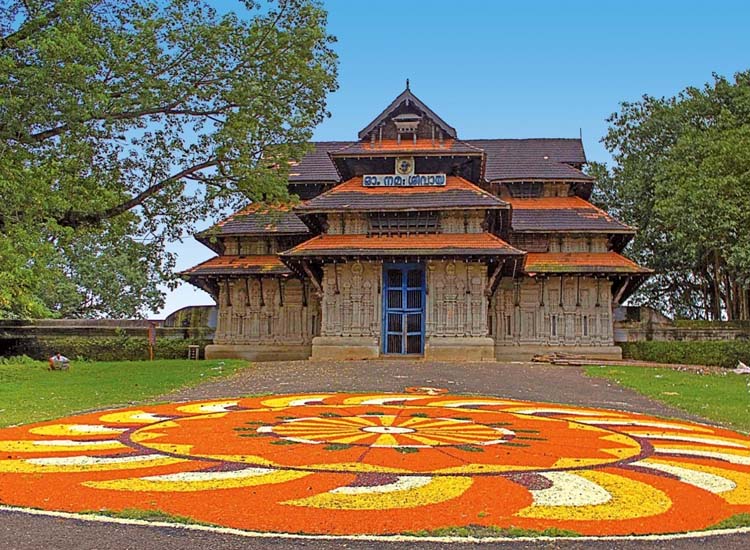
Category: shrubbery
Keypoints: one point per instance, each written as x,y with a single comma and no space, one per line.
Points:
720,353
115,348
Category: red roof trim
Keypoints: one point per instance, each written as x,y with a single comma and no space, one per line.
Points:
435,244
581,262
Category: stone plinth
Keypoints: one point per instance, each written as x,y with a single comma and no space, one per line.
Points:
258,352
341,348
460,349
527,351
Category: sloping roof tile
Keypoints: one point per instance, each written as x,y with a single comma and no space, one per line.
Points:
521,159
239,265
457,193
258,220
316,166
413,245
562,214
581,262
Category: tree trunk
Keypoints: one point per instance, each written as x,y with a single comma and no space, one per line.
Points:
728,297
716,305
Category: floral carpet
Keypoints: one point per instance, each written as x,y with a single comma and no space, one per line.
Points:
383,463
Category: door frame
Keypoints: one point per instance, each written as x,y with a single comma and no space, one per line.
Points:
404,267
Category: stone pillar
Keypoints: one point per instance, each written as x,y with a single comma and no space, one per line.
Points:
457,312
351,311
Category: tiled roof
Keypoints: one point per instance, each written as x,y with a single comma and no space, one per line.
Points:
447,244
562,214
316,166
506,159
581,262
407,145
457,193
259,220
522,159
239,265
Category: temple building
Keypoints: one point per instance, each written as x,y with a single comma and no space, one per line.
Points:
412,242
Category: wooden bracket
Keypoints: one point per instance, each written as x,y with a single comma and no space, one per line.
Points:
313,279
491,282
621,291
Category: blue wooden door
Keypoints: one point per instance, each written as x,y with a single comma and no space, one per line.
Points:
403,309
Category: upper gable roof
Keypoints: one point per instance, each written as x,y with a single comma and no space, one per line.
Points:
506,159
410,99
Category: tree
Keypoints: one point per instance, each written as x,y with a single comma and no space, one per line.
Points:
682,177
124,122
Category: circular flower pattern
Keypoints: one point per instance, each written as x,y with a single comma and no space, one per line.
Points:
385,463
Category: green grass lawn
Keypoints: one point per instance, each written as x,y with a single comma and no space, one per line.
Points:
723,397
29,392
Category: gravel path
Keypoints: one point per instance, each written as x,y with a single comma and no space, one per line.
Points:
540,382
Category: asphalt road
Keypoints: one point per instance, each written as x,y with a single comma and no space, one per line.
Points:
558,384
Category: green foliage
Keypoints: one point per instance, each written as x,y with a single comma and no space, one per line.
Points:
31,393
735,522
718,353
152,515
723,397
115,348
680,176
125,122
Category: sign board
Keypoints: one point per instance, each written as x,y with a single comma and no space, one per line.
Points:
416,180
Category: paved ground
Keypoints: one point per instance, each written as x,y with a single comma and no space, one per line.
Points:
531,381
559,384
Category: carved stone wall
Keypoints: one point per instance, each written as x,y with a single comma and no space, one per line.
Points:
549,189
248,246
574,311
462,222
557,189
456,303
349,224
546,242
450,222
266,311
351,304
583,243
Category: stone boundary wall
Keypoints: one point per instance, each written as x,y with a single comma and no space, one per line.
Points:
22,335
643,324
637,333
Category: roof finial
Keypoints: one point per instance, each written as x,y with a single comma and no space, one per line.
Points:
407,83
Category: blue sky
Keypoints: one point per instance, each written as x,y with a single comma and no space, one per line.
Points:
514,69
